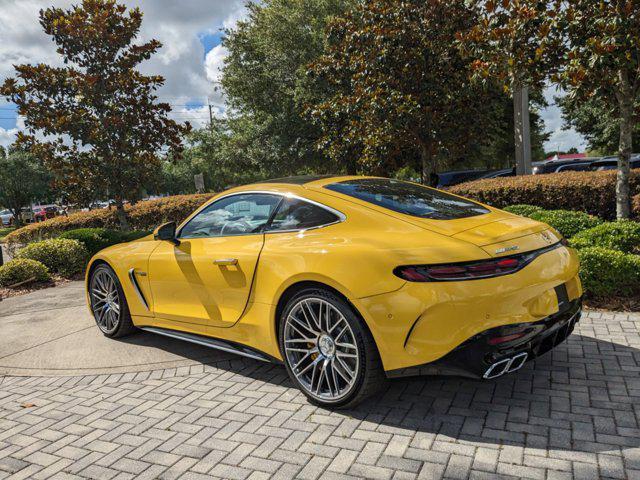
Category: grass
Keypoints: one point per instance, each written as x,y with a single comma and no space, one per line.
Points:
4,231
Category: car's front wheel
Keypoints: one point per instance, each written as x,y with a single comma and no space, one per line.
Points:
108,303
328,351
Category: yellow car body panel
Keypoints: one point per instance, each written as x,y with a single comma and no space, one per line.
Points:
412,323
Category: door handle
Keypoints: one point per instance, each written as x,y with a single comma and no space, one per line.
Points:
226,261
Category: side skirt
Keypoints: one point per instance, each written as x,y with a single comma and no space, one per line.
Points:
216,343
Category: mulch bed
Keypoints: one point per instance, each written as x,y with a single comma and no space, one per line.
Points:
32,287
616,304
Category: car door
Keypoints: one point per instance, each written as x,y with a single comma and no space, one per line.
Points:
206,279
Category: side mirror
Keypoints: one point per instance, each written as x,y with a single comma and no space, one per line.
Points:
166,231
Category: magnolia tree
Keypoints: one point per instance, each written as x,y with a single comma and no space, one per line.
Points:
95,121
601,64
513,43
399,86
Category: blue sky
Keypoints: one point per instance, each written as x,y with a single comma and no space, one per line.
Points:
189,60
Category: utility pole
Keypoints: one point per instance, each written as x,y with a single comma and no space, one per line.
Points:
210,114
522,130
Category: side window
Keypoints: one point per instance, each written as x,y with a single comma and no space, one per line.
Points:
296,214
234,215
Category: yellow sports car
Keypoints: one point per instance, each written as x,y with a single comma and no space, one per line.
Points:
347,280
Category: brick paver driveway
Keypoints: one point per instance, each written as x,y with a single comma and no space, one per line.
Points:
574,413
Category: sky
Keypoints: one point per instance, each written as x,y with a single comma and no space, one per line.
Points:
190,59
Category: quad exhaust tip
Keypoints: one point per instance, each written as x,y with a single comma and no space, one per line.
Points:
506,365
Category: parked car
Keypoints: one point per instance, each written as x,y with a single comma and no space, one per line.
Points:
505,172
347,280
554,166
43,212
611,163
454,177
27,215
6,217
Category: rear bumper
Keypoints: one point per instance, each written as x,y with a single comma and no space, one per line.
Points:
477,358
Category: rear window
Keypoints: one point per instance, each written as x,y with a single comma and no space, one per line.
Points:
408,198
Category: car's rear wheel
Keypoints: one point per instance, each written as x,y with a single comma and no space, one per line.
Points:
108,303
328,351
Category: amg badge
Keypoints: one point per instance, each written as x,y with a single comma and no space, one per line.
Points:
507,249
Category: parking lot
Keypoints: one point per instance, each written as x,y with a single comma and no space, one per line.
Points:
188,412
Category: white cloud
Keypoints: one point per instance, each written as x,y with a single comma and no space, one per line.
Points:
560,139
214,63
7,136
177,24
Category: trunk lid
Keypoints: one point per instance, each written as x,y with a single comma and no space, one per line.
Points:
509,235
497,233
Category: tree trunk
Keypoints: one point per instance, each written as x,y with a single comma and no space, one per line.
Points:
521,129
17,216
427,171
625,100
121,214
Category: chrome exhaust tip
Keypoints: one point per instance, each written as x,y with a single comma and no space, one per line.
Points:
506,365
497,369
517,362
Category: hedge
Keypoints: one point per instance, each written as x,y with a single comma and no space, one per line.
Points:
567,222
522,209
95,239
142,216
605,272
20,270
591,192
623,235
60,255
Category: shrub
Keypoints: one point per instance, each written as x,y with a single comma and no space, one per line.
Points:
591,192
635,206
20,270
63,256
523,210
567,222
623,235
142,216
95,239
605,272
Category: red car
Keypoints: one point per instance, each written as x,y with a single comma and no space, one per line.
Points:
43,212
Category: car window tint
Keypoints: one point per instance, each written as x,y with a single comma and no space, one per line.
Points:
408,198
234,215
296,214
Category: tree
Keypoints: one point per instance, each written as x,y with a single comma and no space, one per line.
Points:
22,179
601,63
400,87
264,79
99,121
498,149
595,121
512,42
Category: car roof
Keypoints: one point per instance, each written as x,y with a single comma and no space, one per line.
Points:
304,181
297,180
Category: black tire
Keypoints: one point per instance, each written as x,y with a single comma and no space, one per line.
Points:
117,325
370,376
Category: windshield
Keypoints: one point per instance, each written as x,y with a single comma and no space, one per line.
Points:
408,198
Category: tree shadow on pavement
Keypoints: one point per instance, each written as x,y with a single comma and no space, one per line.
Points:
582,396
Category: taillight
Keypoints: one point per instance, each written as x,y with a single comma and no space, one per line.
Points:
430,273
469,270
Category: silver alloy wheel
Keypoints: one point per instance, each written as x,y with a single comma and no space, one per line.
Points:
105,300
321,349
